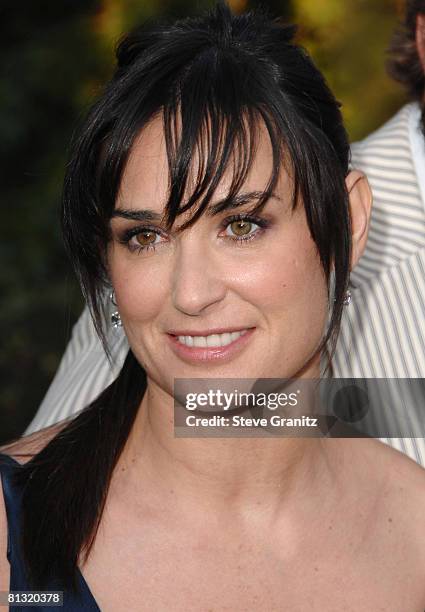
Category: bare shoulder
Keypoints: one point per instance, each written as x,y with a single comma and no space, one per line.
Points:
22,450
406,485
405,477
385,491
25,448
402,479
400,494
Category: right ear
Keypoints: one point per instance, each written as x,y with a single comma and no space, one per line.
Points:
360,197
420,38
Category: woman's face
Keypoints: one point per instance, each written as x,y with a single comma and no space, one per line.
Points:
225,298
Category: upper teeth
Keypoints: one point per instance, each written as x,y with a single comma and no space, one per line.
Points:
212,340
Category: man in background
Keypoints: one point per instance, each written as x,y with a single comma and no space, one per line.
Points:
383,328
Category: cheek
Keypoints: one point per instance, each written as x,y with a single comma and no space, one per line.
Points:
290,285
138,289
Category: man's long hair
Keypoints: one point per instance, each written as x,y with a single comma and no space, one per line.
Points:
404,64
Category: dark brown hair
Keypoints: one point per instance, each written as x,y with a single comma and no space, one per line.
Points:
404,64
215,70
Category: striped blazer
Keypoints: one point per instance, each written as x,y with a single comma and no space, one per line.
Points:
383,329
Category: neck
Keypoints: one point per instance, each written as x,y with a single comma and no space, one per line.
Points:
221,473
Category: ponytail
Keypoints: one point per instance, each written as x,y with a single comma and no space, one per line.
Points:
66,484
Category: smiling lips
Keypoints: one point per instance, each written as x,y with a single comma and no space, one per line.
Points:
213,346
211,340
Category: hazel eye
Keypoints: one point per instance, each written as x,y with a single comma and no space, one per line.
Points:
142,239
145,238
241,229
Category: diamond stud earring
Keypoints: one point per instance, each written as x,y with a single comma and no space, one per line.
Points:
115,316
347,298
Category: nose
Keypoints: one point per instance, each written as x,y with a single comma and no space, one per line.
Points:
198,281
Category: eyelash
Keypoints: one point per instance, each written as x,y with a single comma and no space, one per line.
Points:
239,241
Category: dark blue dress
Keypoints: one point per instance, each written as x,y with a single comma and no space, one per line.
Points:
83,601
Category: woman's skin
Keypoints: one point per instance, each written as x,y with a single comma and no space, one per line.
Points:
242,524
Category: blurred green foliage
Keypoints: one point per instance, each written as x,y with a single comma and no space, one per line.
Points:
55,57
348,40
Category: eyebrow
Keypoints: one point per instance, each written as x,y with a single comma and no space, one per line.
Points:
137,215
149,215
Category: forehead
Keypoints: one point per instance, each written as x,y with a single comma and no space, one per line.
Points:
146,177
